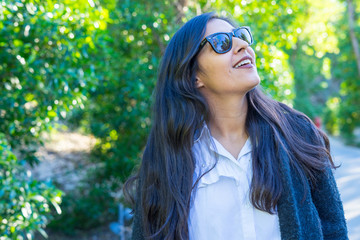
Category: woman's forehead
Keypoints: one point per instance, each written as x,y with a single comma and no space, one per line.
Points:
217,25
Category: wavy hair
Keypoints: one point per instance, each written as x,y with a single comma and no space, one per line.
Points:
165,179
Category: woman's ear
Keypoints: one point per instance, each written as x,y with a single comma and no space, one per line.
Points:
199,83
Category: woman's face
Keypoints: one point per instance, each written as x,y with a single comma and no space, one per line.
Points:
219,74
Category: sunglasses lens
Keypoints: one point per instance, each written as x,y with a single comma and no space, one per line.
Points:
245,35
221,42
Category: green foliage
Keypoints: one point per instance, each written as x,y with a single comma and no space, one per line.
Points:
45,72
24,202
343,106
316,40
85,208
45,69
118,109
310,85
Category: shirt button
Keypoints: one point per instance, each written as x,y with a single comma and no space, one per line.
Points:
203,165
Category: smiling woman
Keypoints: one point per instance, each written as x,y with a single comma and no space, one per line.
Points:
222,160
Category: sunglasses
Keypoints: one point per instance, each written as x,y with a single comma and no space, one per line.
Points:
221,42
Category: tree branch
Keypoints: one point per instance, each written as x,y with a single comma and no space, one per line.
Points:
354,42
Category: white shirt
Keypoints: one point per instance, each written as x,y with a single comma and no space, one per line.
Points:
221,207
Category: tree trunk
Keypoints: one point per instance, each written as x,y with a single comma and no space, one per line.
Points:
354,42
180,4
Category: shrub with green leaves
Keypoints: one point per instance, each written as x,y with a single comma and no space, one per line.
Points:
45,69
24,202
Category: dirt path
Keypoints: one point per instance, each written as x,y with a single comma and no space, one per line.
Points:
64,158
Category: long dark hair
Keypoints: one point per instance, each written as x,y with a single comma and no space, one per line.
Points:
165,179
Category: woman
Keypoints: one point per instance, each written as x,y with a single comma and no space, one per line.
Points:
222,160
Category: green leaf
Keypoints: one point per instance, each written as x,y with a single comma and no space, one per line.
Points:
57,207
43,233
52,114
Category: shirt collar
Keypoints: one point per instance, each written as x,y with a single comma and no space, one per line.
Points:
200,133
205,134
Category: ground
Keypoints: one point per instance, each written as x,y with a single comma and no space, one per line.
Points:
348,181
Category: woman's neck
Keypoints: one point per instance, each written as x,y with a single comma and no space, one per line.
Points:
228,117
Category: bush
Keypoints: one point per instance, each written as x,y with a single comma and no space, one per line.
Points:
45,69
87,207
24,202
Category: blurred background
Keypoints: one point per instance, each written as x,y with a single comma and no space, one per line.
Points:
76,82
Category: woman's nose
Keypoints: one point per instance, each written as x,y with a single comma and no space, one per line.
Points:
239,44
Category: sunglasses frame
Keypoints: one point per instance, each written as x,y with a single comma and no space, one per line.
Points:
230,35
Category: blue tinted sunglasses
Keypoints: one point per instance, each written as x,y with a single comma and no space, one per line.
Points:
221,42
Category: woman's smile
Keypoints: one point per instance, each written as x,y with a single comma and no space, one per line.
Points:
245,62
